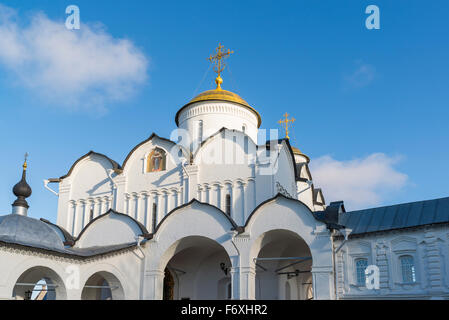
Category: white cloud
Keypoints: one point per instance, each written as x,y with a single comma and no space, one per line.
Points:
77,69
362,76
360,183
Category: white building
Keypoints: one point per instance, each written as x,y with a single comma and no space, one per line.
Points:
217,216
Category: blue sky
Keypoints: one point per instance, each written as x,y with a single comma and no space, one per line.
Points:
366,101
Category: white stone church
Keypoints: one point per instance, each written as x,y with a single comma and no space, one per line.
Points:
216,215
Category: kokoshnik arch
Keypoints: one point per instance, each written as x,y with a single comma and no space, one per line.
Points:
166,224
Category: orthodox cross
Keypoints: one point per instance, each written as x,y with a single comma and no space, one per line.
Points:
25,162
286,123
219,63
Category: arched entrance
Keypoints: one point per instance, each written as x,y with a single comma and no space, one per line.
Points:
283,266
198,268
102,286
39,283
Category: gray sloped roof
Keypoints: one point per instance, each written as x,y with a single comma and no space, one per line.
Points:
399,216
27,231
32,233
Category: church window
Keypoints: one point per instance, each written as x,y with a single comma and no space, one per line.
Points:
244,128
229,291
154,222
360,266
408,269
156,160
228,204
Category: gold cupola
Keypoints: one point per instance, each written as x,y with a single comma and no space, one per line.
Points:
218,94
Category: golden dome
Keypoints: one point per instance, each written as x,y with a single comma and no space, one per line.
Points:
219,94
298,152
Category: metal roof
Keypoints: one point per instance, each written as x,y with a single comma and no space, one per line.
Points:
37,234
399,216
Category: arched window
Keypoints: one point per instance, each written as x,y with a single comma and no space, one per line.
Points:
408,269
228,204
156,160
360,266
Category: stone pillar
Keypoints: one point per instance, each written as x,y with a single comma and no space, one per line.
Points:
153,285
382,263
193,172
63,205
323,283
433,263
118,201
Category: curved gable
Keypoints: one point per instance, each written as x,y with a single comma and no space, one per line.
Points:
228,133
281,212
114,165
214,213
164,143
111,228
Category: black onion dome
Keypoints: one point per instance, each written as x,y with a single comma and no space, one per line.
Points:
22,189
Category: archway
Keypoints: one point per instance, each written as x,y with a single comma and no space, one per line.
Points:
102,286
199,268
39,283
283,266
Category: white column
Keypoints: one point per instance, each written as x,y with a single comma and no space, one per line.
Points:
97,207
323,283
153,285
175,199
250,198
205,194
247,283
72,217
145,200
126,206
222,190
238,202
156,197
164,206
79,214
228,190
137,205
199,193
133,206
119,203
192,191
141,199
215,195
86,213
